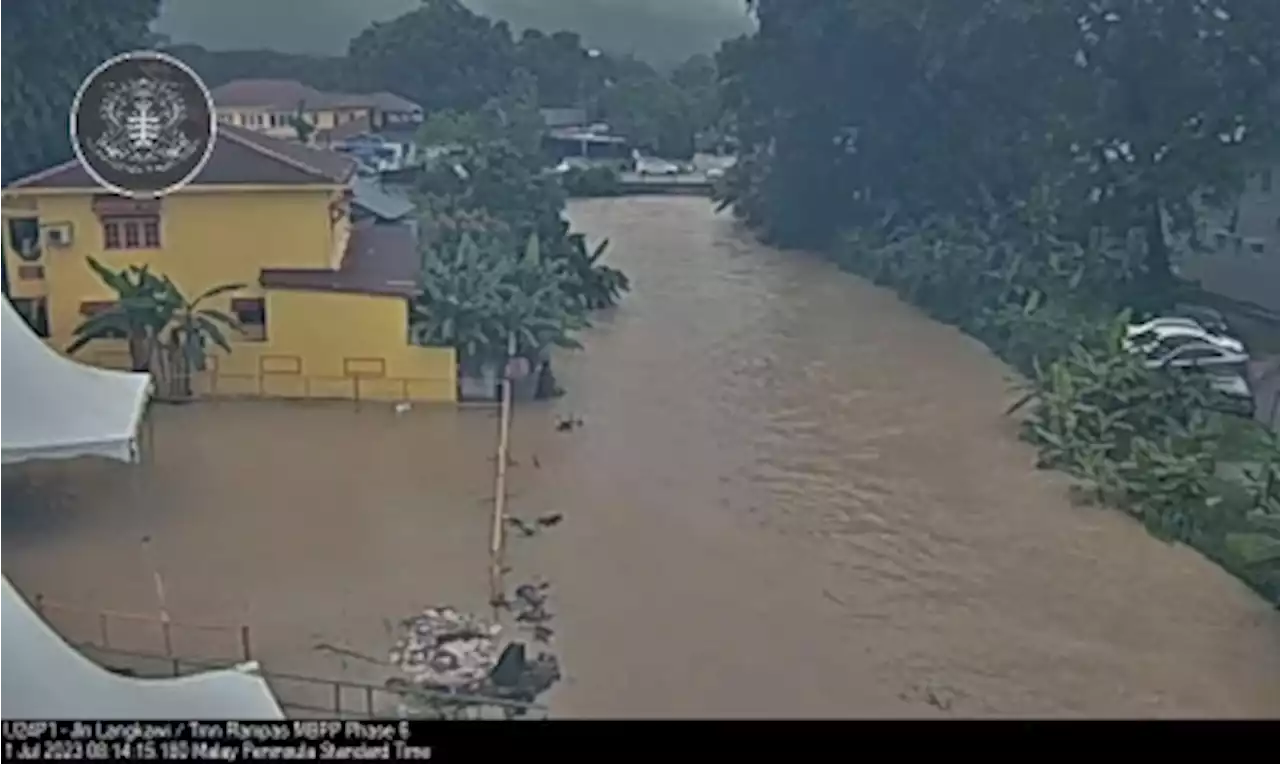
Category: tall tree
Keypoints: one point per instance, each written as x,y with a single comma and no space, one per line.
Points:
48,49
1115,113
441,55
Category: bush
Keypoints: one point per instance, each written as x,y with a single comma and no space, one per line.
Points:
589,182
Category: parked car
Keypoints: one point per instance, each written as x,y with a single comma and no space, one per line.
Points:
1209,318
1177,330
1227,370
654,166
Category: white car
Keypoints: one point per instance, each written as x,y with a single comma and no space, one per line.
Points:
1194,354
653,166
1227,370
1174,330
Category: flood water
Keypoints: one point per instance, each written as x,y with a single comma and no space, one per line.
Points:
790,495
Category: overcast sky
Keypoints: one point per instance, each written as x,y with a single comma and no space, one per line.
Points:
657,29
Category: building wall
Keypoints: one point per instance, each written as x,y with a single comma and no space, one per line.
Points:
207,238
276,121
316,344
322,345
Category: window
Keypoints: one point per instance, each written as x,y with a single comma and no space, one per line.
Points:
24,237
251,314
141,232
35,313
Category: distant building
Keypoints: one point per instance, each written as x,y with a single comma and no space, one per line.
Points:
587,146
273,106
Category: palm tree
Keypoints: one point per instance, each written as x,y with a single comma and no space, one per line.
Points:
168,334
138,314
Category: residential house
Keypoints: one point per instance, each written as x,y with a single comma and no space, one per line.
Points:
1242,260
273,106
329,268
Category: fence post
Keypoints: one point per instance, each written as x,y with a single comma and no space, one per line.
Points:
497,541
40,604
244,642
337,699
167,630
102,629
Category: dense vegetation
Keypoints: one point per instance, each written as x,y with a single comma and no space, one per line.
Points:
48,48
501,264
1025,170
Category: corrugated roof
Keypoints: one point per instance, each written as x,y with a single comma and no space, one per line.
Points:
381,259
386,205
240,157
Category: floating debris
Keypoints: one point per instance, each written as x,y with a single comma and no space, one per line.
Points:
443,648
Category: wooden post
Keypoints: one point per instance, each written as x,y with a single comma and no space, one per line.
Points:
497,541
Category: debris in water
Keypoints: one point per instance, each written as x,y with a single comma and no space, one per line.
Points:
443,648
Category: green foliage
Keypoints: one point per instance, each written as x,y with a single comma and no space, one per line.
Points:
477,295
588,182
167,333
48,48
1124,113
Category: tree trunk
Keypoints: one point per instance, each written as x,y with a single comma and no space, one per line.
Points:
1158,281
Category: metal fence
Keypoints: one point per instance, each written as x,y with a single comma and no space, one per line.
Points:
316,697
149,634
172,649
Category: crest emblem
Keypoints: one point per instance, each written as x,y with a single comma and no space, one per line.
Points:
143,124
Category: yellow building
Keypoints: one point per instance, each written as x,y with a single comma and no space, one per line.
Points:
272,106
325,309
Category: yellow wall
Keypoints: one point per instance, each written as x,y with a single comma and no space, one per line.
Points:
323,345
207,238
319,344
258,118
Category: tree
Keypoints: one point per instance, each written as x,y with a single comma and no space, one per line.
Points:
440,55
48,48
1112,114
167,333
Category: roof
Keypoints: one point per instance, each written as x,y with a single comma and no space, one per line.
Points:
288,94
381,259
240,157
371,196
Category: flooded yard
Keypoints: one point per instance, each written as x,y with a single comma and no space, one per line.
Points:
314,523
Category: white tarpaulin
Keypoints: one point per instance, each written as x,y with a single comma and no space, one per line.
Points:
45,678
56,408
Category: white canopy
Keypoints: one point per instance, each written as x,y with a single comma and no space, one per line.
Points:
45,678
61,409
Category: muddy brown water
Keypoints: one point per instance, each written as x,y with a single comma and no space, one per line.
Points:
791,495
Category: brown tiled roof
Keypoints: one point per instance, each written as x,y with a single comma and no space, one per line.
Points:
240,157
283,93
288,94
380,260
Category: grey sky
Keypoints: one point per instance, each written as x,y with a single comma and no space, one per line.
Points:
661,30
